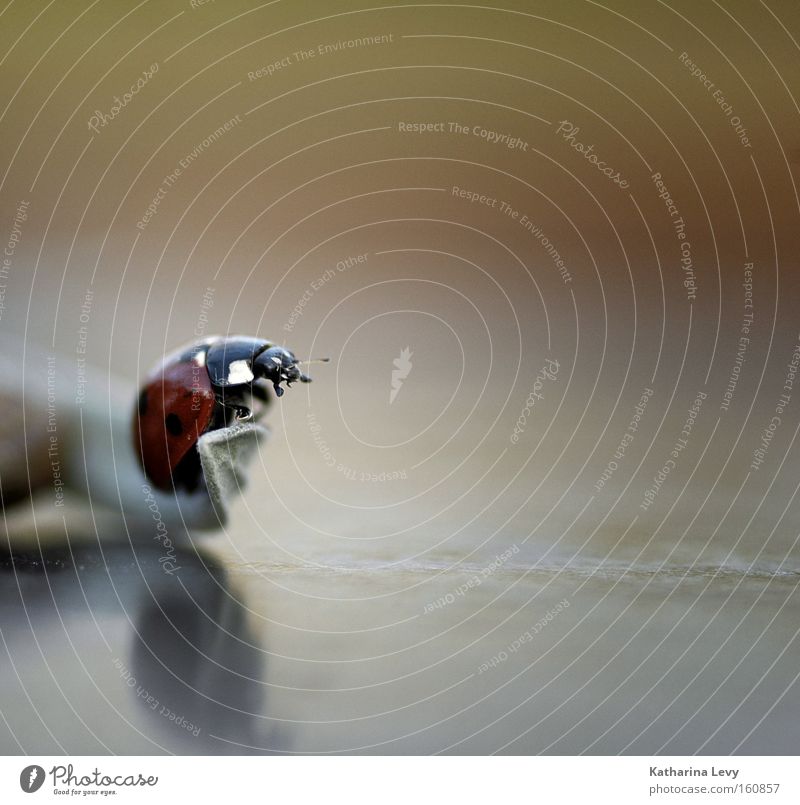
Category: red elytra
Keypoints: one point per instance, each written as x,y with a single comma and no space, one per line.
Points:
175,408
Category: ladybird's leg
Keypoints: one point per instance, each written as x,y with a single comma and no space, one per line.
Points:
231,413
234,405
260,390
261,398
249,400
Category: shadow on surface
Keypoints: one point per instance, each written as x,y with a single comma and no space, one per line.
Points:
105,651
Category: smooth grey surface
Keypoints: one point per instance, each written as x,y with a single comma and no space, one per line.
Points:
99,648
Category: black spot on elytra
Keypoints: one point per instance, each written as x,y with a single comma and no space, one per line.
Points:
143,402
173,424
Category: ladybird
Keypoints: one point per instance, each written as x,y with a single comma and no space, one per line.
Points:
207,385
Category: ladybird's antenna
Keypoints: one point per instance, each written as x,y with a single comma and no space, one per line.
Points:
305,378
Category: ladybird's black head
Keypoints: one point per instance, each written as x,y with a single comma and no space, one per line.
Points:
278,365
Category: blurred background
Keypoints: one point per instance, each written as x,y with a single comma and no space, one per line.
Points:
544,496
